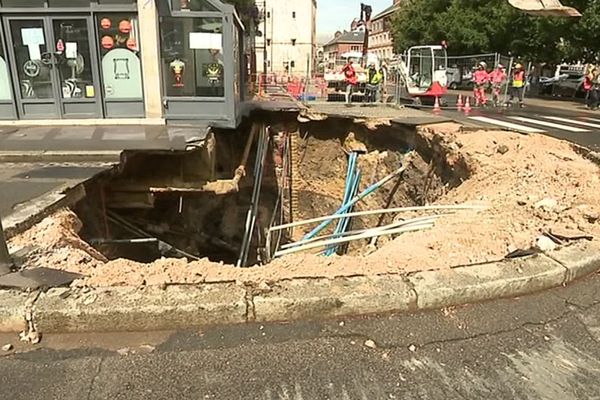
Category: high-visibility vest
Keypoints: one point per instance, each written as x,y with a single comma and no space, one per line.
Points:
374,79
519,79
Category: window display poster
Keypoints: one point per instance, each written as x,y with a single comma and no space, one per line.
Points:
33,36
71,50
206,41
122,74
5,89
34,52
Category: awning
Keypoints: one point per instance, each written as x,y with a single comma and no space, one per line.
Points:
545,8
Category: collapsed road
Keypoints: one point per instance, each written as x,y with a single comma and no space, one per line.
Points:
389,198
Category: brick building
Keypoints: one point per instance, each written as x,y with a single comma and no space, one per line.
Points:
343,42
380,38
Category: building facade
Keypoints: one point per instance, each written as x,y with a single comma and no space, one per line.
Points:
289,30
381,38
343,42
158,60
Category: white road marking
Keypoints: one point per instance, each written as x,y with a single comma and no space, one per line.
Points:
592,119
549,124
505,124
573,121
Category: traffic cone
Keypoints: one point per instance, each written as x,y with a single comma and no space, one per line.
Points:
436,106
467,105
459,103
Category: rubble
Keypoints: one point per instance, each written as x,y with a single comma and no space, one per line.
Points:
527,195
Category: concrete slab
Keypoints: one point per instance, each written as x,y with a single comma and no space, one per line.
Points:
15,193
406,116
30,191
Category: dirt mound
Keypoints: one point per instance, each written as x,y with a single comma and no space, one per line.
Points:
531,184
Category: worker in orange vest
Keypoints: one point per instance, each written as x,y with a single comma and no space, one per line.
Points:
518,84
497,79
480,80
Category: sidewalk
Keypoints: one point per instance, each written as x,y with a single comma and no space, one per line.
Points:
98,138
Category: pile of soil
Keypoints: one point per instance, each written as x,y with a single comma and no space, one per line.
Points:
530,184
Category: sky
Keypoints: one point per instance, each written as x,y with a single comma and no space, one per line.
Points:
334,15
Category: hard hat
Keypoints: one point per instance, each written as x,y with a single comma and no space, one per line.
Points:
482,64
500,66
519,66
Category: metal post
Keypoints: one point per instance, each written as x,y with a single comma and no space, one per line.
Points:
5,260
508,79
265,62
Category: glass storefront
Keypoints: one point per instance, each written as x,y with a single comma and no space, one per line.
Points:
121,66
71,58
192,52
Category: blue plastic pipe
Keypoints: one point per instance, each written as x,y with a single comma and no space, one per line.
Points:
351,203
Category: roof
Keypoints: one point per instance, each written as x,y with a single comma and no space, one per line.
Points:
385,12
348,37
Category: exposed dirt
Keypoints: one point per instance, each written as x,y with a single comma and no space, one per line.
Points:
531,184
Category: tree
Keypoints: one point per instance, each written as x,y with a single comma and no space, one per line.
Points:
483,26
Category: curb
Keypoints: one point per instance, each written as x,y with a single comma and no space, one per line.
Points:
187,306
59,156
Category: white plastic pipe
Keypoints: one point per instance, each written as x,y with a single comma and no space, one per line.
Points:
365,235
376,212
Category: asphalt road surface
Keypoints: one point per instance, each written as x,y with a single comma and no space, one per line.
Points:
543,346
562,120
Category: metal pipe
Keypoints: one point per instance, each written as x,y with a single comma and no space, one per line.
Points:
376,212
241,170
355,200
124,241
261,153
365,235
5,260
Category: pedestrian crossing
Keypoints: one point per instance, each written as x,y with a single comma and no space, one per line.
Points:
540,123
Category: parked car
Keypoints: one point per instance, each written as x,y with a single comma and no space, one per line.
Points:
568,81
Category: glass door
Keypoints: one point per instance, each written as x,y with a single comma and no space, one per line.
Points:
75,67
7,106
32,66
54,70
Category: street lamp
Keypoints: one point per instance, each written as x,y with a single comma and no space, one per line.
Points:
5,260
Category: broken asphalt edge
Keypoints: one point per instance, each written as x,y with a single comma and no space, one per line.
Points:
119,309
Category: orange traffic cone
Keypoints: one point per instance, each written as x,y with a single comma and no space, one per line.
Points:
436,106
467,105
459,103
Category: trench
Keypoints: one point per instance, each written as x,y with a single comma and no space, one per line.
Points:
184,204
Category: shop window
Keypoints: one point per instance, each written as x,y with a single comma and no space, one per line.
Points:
192,56
69,3
5,88
22,3
120,56
124,2
192,5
